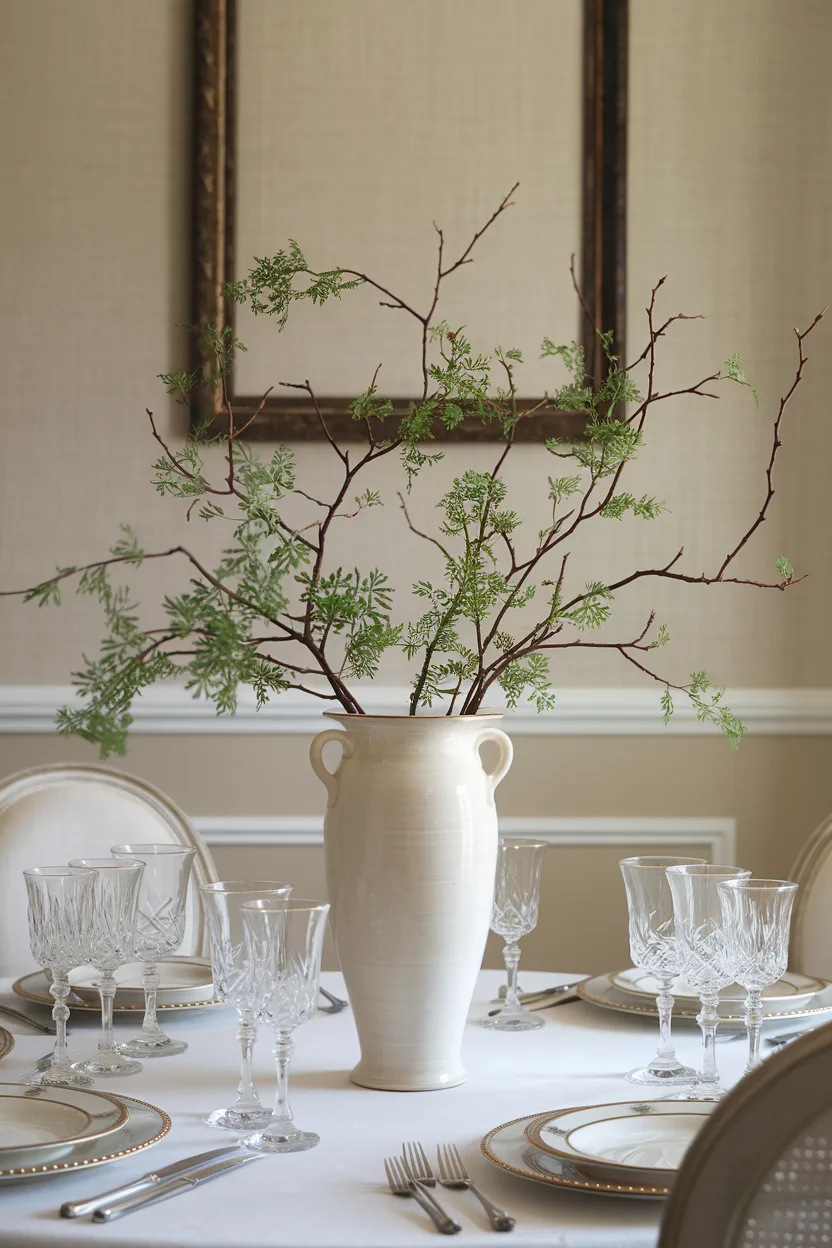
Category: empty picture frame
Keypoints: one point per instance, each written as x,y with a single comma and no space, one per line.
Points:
351,128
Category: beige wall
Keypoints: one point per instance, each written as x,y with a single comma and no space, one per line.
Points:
729,194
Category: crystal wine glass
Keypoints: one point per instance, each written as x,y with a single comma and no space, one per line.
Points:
654,949
223,901
160,927
60,936
116,895
284,940
705,956
757,917
514,914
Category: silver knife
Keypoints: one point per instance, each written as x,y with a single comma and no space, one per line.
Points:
80,1208
172,1187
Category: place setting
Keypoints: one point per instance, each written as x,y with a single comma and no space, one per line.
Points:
709,930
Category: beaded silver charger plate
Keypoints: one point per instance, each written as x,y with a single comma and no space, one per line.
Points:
603,990
506,1146
33,988
6,1042
145,1127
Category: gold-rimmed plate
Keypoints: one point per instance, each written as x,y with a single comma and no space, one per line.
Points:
792,990
6,1042
600,990
638,1142
42,1121
145,1127
507,1147
32,987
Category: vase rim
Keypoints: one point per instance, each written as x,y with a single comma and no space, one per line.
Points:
350,717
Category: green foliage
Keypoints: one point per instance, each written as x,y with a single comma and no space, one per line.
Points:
592,611
707,704
530,678
734,372
784,567
269,289
272,611
620,504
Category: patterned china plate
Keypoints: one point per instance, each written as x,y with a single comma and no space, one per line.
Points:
793,988
601,990
6,1042
39,1122
145,1126
32,987
638,1142
507,1147
182,980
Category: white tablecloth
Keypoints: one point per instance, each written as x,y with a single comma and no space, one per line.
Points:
335,1196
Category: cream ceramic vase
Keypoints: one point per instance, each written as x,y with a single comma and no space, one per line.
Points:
411,847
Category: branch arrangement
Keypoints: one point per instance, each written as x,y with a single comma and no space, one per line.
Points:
274,614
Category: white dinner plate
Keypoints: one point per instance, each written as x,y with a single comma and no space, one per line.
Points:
41,1122
181,982
793,989
507,1147
641,1142
601,990
32,987
145,1126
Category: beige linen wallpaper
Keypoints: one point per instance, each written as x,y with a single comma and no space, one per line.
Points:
730,195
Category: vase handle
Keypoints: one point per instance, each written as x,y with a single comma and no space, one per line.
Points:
316,757
503,740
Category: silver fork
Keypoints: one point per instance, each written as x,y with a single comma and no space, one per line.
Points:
417,1168
402,1185
452,1173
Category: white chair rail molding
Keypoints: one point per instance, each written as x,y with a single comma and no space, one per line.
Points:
579,710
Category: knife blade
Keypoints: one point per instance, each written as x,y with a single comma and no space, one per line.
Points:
172,1187
79,1209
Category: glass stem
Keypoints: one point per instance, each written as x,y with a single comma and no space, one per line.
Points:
753,1025
107,992
665,1003
150,1025
59,989
709,1019
283,1046
247,1097
511,956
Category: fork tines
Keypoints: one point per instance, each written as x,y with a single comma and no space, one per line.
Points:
416,1163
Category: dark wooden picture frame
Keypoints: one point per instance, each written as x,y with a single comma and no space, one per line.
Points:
603,223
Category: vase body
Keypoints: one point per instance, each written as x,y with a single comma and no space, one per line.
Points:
411,844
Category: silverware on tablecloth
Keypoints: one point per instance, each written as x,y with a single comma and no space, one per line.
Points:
418,1169
336,1004
78,1209
546,1003
452,1173
173,1187
786,1038
402,1185
45,1028
526,997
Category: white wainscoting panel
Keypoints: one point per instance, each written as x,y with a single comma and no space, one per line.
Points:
716,836
580,710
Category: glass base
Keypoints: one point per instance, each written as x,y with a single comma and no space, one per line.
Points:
280,1140
108,1066
57,1077
659,1077
519,1020
232,1119
700,1093
152,1046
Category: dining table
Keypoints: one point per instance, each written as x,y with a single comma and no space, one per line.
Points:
336,1195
